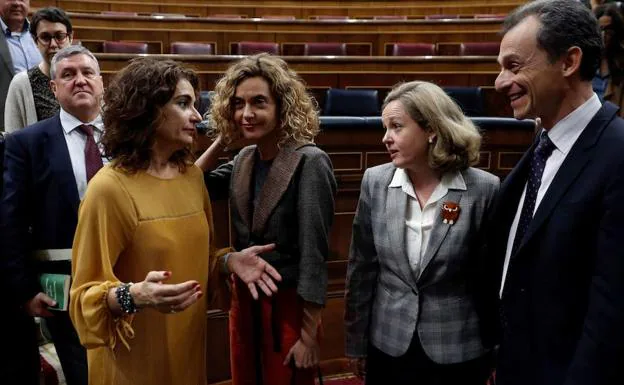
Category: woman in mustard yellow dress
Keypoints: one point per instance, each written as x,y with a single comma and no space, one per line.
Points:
146,218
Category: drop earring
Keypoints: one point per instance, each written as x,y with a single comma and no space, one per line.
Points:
431,140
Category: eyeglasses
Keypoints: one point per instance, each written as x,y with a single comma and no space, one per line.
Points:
59,37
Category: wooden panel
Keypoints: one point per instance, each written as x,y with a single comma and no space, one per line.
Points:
300,10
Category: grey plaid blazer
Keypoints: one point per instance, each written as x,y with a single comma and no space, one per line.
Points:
385,302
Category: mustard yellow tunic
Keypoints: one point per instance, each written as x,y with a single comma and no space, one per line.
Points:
128,225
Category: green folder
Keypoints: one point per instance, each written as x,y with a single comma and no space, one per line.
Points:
56,286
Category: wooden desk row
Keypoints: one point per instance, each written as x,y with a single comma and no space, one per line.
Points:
160,33
300,11
502,148
377,72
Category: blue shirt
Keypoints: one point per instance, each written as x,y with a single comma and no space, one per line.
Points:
24,51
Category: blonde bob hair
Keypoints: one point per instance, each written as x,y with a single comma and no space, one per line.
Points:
457,140
297,116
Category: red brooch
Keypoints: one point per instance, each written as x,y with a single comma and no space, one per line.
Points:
450,212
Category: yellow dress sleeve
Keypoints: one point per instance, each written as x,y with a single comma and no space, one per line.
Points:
219,293
106,222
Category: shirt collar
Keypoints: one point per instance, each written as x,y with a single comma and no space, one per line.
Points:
5,28
70,122
452,180
565,133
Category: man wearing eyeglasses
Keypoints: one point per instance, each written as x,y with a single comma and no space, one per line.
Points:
29,98
18,51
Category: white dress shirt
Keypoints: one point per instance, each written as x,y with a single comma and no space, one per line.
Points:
419,222
563,135
76,143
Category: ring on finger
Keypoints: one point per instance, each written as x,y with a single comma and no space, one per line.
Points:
172,309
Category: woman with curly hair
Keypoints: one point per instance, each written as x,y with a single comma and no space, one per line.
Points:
281,190
146,218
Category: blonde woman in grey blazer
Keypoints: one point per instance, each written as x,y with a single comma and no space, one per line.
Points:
412,291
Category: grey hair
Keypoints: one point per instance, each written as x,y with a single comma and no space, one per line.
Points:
68,52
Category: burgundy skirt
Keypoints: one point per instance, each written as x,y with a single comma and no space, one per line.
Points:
261,335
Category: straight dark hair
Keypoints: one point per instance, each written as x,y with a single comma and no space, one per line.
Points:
564,24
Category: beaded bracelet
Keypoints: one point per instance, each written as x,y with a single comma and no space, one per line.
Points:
124,298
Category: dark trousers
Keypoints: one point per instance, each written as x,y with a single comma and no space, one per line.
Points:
19,362
415,367
72,355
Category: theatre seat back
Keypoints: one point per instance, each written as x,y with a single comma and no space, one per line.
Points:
323,49
413,49
479,49
254,47
339,102
124,47
191,48
470,99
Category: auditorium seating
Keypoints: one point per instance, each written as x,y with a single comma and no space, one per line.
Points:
124,47
351,102
479,48
324,49
470,99
499,16
254,47
412,49
191,48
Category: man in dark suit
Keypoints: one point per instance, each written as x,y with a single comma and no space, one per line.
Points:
46,172
559,222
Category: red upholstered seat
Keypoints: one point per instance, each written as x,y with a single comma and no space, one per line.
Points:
322,49
124,47
253,47
479,49
413,49
191,48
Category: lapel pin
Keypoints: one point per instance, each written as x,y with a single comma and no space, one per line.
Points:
450,212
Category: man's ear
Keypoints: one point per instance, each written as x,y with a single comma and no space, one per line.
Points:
571,62
53,87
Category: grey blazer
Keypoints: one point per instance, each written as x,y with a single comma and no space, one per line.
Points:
385,301
295,211
6,74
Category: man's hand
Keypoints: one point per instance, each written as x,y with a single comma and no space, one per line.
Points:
38,305
253,270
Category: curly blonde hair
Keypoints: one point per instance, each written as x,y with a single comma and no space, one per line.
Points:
297,112
457,141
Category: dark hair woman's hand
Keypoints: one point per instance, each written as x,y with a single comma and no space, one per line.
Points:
166,298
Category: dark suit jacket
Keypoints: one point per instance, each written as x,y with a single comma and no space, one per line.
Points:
6,74
39,207
563,300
